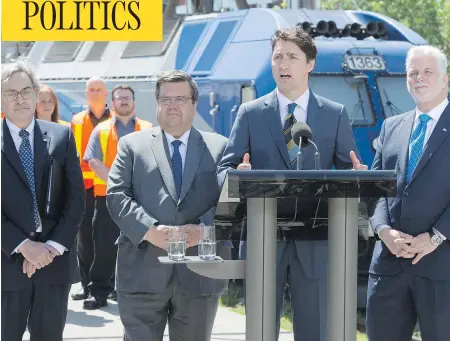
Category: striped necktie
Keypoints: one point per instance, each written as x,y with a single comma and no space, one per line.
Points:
288,123
416,143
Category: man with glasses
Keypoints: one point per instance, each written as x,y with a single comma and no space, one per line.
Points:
39,221
160,178
100,153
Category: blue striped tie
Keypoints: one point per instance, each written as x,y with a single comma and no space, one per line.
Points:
26,157
177,165
288,123
416,143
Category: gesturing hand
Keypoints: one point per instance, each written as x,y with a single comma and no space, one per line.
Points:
357,165
245,165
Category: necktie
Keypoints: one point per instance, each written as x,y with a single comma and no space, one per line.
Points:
288,123
416,145
177,165
26,157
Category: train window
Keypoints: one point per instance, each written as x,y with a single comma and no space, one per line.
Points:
189,37
348,90
215,46
394,95
62,51
96,51
136,49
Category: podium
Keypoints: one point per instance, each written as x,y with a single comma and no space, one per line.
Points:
259,190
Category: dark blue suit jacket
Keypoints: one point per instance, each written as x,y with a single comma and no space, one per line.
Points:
51,140
422,204
258,131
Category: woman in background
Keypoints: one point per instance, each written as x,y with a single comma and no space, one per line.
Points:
47,106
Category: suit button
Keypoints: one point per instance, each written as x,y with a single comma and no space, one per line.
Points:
405,193
178,208
31,234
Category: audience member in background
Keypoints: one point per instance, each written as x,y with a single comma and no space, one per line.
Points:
47,106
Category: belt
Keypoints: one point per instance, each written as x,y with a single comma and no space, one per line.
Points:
303,233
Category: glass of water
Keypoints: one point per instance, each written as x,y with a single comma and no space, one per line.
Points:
207,244
176,243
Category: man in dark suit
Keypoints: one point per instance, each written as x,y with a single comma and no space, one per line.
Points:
410,270
165,177
261,139
39,221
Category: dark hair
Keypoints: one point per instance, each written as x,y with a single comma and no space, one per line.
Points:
177,76
121,87
296,35
55,114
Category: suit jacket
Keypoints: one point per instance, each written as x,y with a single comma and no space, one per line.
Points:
258,131
141,192
51,141
420,205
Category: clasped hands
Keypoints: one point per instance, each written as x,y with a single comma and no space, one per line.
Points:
404,245
159,236
37,256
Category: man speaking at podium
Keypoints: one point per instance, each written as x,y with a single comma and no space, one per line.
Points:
261,139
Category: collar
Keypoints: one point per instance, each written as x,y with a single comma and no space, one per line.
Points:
183,138
302,101
16,130
132,120
436,112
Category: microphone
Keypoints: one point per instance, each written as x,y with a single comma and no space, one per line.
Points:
302,136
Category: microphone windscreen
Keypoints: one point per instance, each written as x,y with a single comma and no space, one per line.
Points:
302,130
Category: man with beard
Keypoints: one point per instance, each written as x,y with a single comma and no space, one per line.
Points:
100,154
410,271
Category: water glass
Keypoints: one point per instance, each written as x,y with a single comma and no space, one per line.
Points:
176,243
207,244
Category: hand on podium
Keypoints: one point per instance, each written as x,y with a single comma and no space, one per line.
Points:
245,165
357,165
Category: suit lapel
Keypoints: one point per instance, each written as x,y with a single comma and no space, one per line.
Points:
10,152
195,150
440,132
162,156
271,113
41,144
315,119
404,135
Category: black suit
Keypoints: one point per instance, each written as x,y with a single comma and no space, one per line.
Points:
45,294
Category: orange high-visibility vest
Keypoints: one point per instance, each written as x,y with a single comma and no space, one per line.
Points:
3,115
64,123
82,128
107,134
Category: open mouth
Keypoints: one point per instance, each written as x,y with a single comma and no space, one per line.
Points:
285,76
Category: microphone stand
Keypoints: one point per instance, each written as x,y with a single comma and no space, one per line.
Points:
300,155
316,157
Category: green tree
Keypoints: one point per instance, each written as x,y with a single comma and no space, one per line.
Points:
429,18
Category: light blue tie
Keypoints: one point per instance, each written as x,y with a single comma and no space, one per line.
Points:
416,143
177,165
26,157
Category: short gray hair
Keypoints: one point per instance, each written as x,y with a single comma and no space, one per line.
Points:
21,65
176,76
428,50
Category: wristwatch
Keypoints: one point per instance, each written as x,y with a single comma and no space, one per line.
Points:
436,239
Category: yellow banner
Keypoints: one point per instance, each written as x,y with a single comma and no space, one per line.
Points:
81,20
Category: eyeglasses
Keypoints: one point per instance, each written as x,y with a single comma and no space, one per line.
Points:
11,95
123,98
165,100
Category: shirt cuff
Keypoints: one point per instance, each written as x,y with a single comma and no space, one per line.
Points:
57,246
16,250
380,228
439,234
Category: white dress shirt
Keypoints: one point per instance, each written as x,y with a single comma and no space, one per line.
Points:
15,130
435,115
183,146
300,112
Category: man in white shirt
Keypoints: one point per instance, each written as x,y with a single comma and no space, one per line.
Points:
42,208
410,270
160,178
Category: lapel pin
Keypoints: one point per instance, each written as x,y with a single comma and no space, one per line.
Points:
444,129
